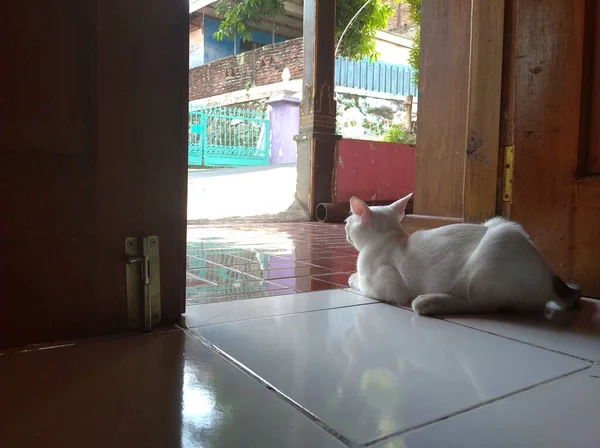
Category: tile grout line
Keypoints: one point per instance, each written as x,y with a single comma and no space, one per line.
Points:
253,375
510,338
479,405
279,315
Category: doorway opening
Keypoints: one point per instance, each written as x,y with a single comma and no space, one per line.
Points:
248,234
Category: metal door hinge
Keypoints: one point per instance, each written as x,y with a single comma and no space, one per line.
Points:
507,173
142,273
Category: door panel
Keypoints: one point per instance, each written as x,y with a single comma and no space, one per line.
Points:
586,244
142,104
92,150
586,224
592,93
46,77
45,247
555,186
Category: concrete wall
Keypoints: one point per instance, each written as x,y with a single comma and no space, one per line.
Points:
264,65
392,49
373,170
196,47
284,124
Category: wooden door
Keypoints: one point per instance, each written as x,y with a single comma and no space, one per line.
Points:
552,105
93,130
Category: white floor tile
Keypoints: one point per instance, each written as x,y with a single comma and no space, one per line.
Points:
215,313
564,413
371,371
576,333
223,407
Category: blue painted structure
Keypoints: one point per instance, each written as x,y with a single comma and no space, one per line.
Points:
214,49
381,77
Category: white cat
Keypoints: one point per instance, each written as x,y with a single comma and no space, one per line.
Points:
459,268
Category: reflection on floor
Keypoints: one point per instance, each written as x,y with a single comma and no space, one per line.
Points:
261,260
319,369
305,362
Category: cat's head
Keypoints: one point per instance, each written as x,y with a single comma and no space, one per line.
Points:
366,223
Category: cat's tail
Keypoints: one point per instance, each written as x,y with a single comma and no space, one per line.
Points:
568,295
498,221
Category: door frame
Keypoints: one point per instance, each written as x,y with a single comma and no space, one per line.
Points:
459,151
546,112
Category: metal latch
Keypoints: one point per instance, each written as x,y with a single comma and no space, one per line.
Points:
142,273
507,173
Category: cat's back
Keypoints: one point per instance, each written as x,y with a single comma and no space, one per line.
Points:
447,238
434,259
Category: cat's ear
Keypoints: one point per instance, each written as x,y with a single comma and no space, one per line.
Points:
400,205
359,208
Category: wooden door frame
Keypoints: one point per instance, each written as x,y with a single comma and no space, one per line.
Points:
547,85
458,163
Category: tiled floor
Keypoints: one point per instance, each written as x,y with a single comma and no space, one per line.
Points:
319,369
327,368
263,260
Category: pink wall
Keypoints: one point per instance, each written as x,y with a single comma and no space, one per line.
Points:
373,171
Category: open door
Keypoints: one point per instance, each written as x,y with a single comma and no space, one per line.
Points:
554,107
93,131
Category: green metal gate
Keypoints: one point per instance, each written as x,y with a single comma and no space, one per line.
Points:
226,136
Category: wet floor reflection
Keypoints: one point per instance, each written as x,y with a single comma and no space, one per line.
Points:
260,260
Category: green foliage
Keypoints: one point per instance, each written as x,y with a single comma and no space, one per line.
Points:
413,56
376,128
396,133
239,16
414,10
359,40
414,13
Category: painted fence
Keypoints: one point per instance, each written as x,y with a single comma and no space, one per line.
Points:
375,77
230,137
227,136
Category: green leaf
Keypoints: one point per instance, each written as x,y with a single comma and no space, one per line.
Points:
414,13
397,134
238,16
359,41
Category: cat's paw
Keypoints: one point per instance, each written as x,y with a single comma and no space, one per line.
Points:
353,281
424,305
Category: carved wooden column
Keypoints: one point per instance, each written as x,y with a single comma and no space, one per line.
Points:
317,139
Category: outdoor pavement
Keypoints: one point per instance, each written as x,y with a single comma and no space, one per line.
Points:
263,193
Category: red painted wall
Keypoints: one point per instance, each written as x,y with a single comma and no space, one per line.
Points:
373,170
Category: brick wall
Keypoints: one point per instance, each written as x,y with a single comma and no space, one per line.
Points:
253,68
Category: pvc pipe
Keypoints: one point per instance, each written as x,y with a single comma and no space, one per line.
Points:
338,212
